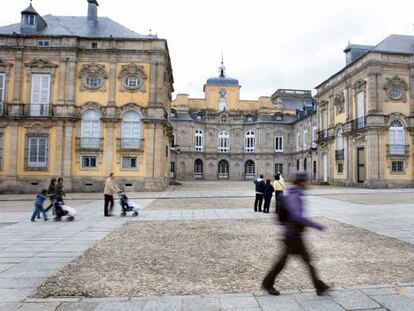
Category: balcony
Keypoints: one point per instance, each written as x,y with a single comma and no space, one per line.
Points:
89,144
395,150
326,134
339,155
130,144
356,124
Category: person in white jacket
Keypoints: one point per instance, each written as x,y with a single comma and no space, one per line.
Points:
110,189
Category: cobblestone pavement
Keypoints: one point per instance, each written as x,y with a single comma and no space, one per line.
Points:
32,252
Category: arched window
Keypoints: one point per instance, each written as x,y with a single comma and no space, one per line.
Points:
249,169
249,142
396,139
91,129
223,169
223,143
199,140
198,168
131,130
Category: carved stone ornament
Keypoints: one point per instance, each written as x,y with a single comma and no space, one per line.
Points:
359,86
396,89
339,101
4,66
323,103
132,78
93,77
40,63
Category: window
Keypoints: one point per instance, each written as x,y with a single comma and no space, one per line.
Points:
129,162
360,109
305,139
94,45
297,141
249,171
223,118
279,117
132,82
89,162
199,140
174,141
297,165
396,138
249,142
2,91
324,120
93,81
223,142
314,136
198,168
340,168
305,164
37,151
339,140
279,168
397,166
91,129
223,169
40,96
29,20
43,43
279,144
131,130
172,167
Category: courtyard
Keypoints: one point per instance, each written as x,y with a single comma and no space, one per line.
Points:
200,246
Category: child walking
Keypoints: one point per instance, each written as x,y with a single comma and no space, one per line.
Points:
40,199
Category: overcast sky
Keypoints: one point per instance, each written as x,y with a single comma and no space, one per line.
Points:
267,44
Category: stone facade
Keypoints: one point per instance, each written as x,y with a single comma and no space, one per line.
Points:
365,115
223,137
82,106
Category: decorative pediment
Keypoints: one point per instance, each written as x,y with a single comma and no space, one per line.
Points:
396,89
41,63
339,101
359,85
132,69
93,69
88,106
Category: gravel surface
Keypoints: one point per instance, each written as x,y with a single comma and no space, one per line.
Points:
201,203
374,199
225,256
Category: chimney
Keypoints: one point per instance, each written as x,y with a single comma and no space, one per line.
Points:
93,12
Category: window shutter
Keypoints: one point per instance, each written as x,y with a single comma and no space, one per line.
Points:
2,87
45,89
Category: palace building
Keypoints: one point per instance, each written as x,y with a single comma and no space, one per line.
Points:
222,137
366,117
81,97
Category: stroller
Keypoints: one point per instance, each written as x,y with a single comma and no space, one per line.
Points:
127,205
63,210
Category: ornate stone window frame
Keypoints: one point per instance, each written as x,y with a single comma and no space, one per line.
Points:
358,87
40,66
5,68
132,71
405,164
339,102
89,70
396,82
36,129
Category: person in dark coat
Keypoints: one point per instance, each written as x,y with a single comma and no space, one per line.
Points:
259,182
267,195
51,191
294,243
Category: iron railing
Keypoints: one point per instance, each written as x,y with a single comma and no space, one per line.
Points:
397,150
356,124
88,143
130,144
326,134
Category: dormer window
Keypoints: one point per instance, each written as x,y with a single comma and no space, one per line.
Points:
43,43
29,20
94,45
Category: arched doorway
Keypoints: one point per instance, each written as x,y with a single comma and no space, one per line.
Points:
249,170
223,170
198,169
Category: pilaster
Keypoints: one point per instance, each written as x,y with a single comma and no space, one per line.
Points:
13,149
112,81
62,79
67,149
109,146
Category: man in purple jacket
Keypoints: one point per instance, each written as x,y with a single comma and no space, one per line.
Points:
294,244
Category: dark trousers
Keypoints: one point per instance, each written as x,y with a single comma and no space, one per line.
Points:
292,247
266,206
258,201
278,195
39,209
109,204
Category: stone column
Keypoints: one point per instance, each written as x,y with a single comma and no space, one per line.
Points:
372,92
411,90
67,146
108,147
13,149
150,150
62,79
58,152
18,78
349,106
372,160
112,81
71,81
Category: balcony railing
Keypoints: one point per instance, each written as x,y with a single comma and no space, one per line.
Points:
339,155
87,143
130,143
356,124
398,150
39,110
326,134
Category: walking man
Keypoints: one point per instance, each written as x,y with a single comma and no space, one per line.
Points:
279,185
294,244
110,189
259,182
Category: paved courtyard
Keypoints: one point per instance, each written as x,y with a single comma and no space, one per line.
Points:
32,253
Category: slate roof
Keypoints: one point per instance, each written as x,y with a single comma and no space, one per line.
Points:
78,26
225,81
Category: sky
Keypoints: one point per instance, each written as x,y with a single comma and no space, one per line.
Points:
267,44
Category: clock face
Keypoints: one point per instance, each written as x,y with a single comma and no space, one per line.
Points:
222,92
395,93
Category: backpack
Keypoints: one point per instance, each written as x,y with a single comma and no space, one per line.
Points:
282,211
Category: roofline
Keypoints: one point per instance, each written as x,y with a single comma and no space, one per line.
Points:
81,37
359,58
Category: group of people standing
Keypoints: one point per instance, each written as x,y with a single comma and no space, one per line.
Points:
265,190
55,192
